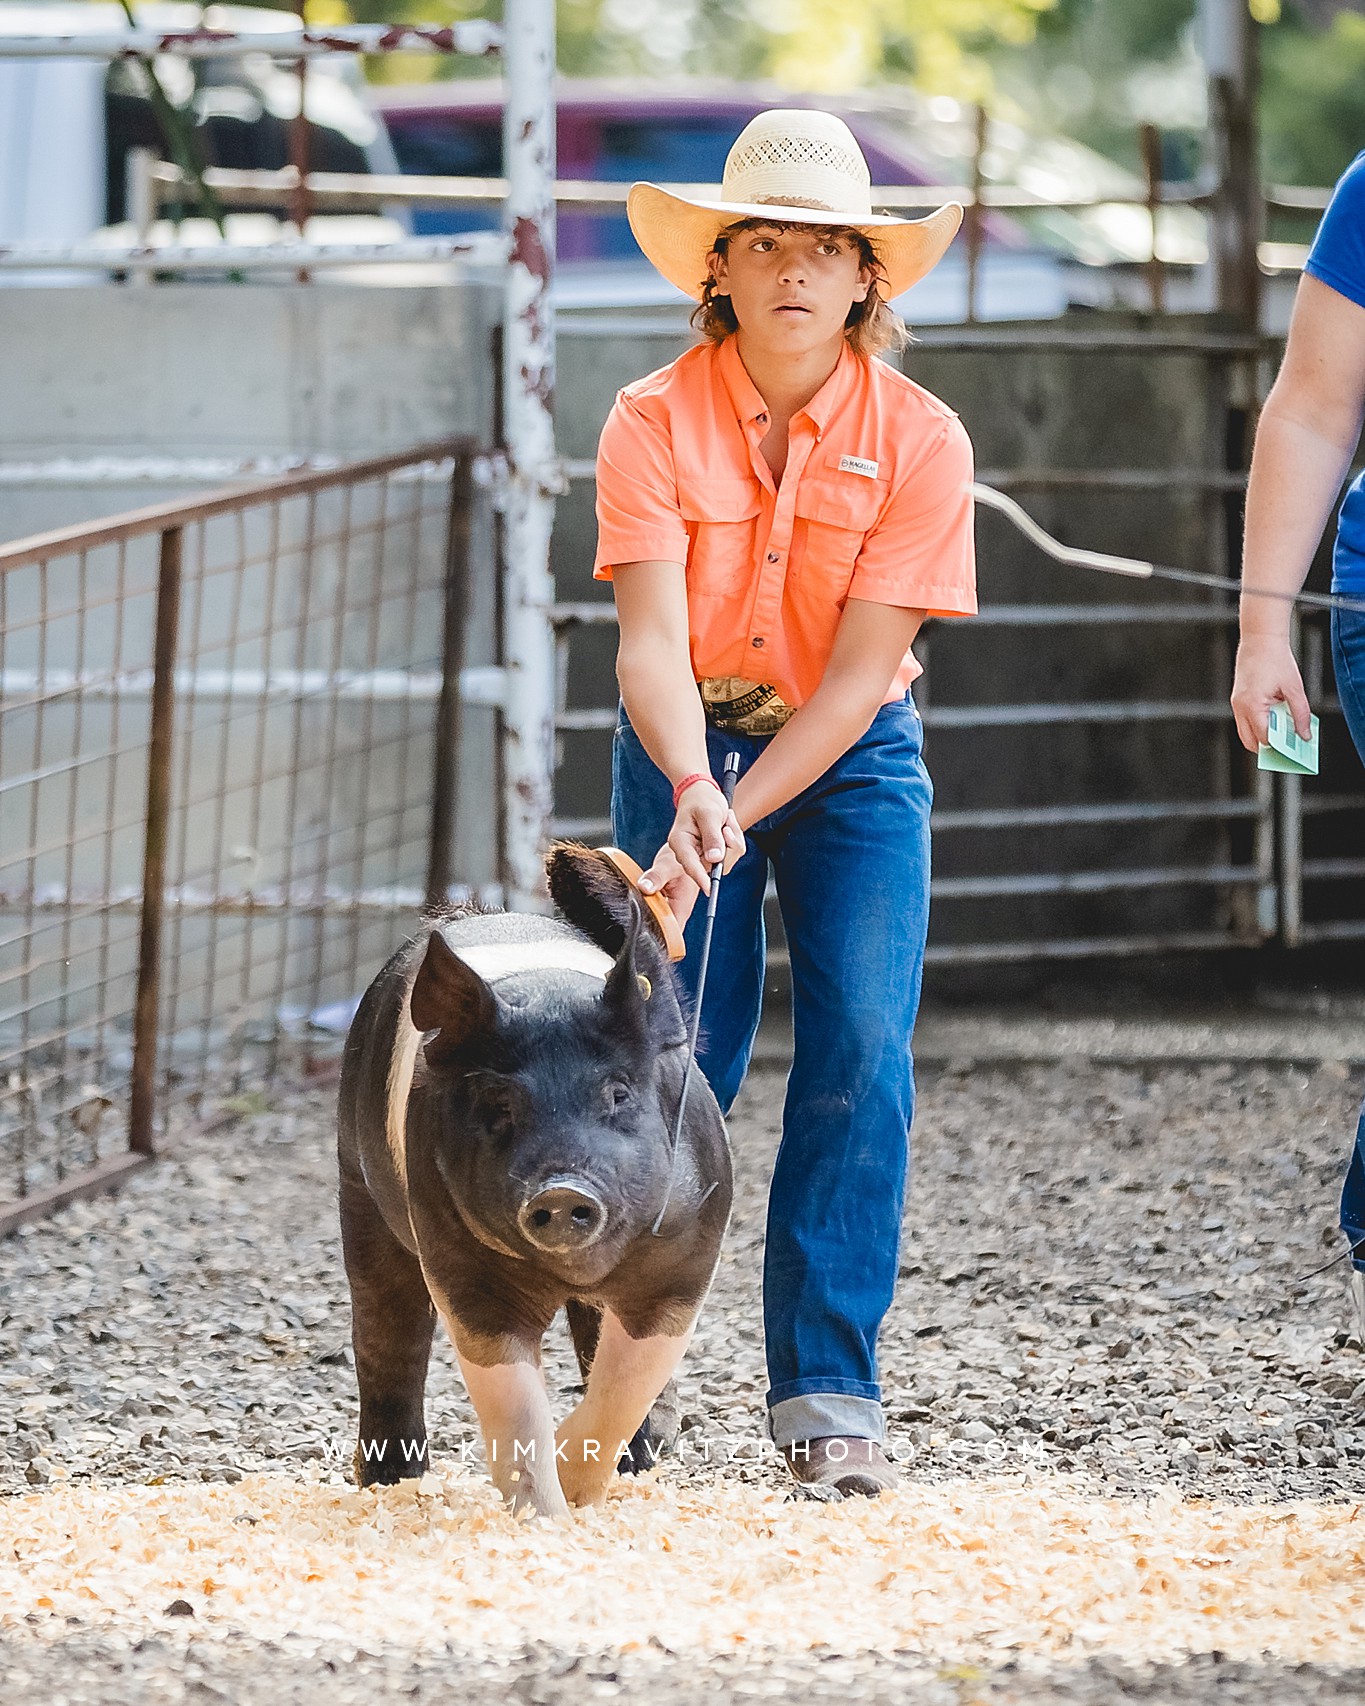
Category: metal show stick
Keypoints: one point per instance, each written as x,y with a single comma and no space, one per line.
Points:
729,776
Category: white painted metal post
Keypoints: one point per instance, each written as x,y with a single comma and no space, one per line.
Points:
534,475
140,203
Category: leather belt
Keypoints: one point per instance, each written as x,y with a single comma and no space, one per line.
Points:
740,707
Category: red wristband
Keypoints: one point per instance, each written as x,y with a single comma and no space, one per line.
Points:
679,788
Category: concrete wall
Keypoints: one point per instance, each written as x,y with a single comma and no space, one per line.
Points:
240,370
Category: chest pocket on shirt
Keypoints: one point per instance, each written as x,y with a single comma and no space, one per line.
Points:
838,510
722,516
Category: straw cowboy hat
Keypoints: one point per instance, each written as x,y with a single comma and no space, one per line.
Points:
795,166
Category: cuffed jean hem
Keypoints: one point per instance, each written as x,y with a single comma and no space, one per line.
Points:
821,1415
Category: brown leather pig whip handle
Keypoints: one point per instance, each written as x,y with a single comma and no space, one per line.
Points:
729,776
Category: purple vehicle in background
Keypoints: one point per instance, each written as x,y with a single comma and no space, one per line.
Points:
615,133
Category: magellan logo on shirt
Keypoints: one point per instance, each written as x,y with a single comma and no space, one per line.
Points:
858,465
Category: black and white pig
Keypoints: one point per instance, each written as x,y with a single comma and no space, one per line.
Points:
508,1093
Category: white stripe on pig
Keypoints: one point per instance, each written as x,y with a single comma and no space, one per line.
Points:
492,961
402,1065
495,960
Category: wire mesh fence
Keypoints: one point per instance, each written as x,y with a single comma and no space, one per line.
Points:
227,755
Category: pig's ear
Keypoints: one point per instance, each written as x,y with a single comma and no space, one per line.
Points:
450,997
593,888
639,991
591,893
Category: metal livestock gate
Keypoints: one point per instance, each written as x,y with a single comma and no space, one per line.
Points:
228,701
525,472
222,808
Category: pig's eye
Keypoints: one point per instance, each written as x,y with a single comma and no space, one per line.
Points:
496,1115
617,1095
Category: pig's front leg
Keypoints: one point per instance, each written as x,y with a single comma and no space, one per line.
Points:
627,1376
513,1408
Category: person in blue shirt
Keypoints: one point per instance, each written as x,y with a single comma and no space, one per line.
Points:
1308,433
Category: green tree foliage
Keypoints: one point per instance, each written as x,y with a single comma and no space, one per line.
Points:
1313,97
1126,33
1098,68
1094,69
828,44
804,44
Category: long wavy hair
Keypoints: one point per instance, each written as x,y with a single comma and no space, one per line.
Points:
871,326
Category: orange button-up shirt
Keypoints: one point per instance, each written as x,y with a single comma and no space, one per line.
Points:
874,503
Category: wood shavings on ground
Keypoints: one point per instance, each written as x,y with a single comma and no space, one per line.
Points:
968,1572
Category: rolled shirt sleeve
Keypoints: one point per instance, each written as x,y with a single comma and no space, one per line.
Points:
921,552
638,518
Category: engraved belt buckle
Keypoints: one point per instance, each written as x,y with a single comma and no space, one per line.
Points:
737,706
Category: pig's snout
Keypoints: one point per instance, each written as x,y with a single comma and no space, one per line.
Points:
563,1215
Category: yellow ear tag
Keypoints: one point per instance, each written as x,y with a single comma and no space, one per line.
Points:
646,987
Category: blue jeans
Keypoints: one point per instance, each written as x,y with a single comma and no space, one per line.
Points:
850,858
1348,657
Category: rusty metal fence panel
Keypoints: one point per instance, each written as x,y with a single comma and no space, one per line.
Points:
227,765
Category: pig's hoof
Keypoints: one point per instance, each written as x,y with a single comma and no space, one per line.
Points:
542,1508
652,1441
372,1473
384,1477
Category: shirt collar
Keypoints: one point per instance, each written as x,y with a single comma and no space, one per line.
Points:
749,405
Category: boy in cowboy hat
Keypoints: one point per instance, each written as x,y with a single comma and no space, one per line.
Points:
779,511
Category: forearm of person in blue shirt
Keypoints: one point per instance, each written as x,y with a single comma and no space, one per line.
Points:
1308,430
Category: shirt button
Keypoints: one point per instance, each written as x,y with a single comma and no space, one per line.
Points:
758,641
772,556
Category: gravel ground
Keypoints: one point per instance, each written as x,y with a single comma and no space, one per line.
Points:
1099,1278
166,1671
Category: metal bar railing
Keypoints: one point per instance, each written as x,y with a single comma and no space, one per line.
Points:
482,247
232,670
288,189
974,221
330,880
1301,814
156,518
454,617
353,192
1150,139
532,474
474,37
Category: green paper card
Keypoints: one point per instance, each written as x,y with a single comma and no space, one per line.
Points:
1284,750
